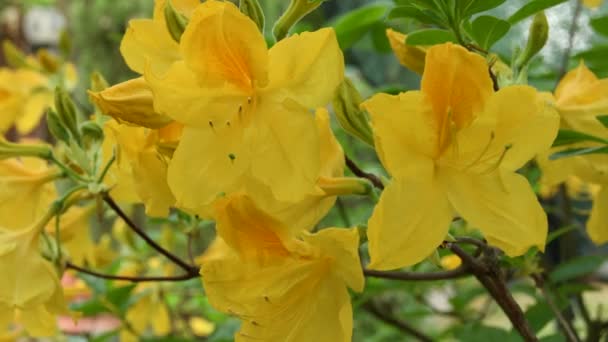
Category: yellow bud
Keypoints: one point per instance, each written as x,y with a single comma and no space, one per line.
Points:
450,262
352,118
538,35
336,186
175,21
12,150
297,10
130,101
13,56
48,62
410,56
253,10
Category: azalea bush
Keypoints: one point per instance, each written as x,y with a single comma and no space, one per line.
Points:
247,184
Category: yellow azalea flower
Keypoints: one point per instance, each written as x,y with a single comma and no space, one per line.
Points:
26,191
200,326
131,102
150,311
120,175
30,293
149,41
75,234
282,287
136,147
411,57
592,3
244,106
23,98
453,149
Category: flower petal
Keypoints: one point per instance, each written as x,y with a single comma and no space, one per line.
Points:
411,57
581,93
307,67
221,45
597,225
402,129
409,222
502,205
149,41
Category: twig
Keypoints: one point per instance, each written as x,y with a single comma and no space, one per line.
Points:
566,327
190,269
571,35
389,319
459,272
80,269
360,173
492,279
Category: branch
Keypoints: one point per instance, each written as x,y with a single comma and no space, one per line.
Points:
491,278
571,34
389,319
80,269
566,327
360,173
459,272
190,269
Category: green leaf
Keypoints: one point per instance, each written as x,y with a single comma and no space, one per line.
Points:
575,268
603,119
352,26
476,6
538,315
488,30
559,232
567,137
379,38
595,59
483,333
573,152
429,37
531,8
424,16
600,25
119,296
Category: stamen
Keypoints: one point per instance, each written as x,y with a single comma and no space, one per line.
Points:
500,159
232,157
483,152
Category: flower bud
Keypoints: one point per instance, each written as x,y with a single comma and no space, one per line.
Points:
48,62
450,262
91,130
410,56
13,56
297,10
12,150
66,111
175,21
56,126
538,35
130,101
352,118
253,10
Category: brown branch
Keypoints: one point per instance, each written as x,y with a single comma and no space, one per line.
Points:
360,173
190,269
459,272
491,278
405,327
80,269
565,326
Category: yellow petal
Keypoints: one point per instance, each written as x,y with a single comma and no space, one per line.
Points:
411,57
307,67
410,221
33,110
184,7
149,41
592,3
132,102
288,163
402,130
120,175
457,84
581,93
515,126
38,322
75,234
332,155
597,225
502,205
220,154
180,96
221,45
200,326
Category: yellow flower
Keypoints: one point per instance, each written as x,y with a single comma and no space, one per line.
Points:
450,262
75,234
282,287
23,98
579,97
453,148
149,41
200,326
137,154
150,311
244,106
26,191
30,292
592,3
411,57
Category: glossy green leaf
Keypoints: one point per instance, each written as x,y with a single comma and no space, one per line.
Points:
600,25
488,30
567,137
424,16
603,119
531,8
429,37
470,7
354,25
575,268
573,152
